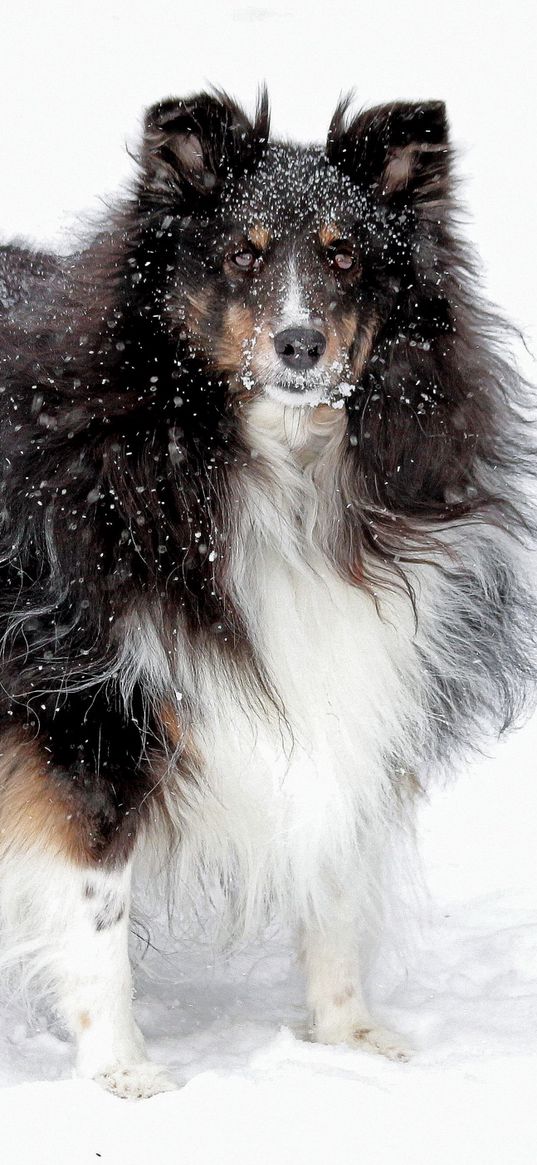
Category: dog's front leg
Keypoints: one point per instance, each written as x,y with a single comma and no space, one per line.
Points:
71,802
70,923
94,984
339,1013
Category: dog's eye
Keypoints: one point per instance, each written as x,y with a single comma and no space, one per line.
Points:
343,256
246,260
344,260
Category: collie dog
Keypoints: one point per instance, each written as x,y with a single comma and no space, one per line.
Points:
262,549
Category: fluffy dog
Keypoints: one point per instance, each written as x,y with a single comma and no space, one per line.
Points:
262,460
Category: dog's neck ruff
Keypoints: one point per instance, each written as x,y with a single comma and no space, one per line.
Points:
272,774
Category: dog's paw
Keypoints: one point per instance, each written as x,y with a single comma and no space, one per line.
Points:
360,1032
382,1041
136,1081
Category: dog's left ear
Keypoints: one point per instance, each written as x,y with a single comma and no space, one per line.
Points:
394,149
191,145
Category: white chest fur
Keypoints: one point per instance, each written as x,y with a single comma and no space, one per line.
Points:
295,799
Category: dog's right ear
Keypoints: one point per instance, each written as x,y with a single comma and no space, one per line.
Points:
190,146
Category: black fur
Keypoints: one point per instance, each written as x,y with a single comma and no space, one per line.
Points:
121,441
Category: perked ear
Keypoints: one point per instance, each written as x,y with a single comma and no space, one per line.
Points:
191,145
398,148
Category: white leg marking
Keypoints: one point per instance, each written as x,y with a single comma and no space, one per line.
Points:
72,925
96,990
339,1012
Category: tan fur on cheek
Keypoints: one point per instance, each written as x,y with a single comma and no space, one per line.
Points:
346,330
261,359
237,331
199,309
339,338
365,338
37,808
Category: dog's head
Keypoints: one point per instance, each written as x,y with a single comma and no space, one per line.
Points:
285,264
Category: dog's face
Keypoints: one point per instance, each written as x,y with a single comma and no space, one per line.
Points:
293,314
286,262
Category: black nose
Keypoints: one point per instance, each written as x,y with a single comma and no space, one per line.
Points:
300,348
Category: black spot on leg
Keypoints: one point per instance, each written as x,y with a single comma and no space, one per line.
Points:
89,891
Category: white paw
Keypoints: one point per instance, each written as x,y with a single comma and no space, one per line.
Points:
361,1032
136,1081
382,1041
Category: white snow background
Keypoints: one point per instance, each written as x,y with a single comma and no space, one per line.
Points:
459,975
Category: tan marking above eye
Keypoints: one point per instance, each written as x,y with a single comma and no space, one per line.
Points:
259,236
328,233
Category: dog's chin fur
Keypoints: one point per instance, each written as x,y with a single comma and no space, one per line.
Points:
297,398
241,624
307,390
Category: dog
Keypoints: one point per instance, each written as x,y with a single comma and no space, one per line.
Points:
262,553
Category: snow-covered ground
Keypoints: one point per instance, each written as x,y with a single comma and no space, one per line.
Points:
458,974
